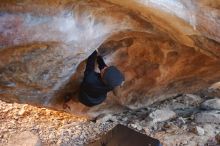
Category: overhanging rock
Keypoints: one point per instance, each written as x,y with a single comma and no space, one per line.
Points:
173,47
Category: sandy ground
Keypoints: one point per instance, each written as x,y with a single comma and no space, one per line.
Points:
57,128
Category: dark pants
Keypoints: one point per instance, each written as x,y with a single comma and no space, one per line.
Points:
90,66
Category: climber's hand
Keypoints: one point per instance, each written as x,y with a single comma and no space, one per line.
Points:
98,53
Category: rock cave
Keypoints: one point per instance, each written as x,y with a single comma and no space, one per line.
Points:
168,50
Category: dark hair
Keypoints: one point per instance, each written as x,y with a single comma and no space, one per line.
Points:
113,77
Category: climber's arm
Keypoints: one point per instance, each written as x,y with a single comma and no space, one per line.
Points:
90,65
101,62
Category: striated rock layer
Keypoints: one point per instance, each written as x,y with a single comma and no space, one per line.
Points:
163,47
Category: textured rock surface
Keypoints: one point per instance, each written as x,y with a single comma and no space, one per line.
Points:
62,129
24,139
162,115
198,130
212,104
171,47
208,117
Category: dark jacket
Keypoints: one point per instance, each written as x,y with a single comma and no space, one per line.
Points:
93,90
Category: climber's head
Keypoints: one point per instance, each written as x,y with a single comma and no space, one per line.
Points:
112,76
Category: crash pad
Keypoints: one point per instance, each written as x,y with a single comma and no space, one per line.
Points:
121,135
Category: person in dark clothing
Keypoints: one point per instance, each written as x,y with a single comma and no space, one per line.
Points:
95,86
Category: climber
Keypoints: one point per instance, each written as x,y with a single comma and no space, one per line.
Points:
95,86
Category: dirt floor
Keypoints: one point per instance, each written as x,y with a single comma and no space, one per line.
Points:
177,122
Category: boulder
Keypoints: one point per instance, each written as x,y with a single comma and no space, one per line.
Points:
208,117
162,49
198,130
212,104
193,99
162,115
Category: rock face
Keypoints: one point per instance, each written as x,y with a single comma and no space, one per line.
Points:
162,115
24,139
59,128
198,130
208,117
212,104
170,48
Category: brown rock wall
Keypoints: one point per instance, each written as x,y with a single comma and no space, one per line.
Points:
162,48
